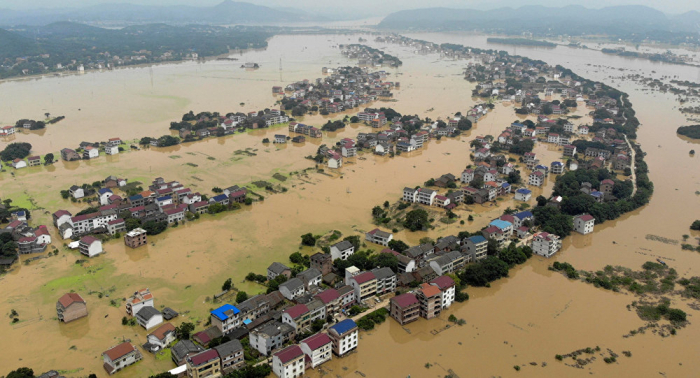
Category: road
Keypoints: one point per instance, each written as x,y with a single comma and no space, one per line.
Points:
634,175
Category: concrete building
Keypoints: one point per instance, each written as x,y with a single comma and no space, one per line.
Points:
119,357
318,349
289,362
206,364
70,307
135,238
404,308
344,336
583,224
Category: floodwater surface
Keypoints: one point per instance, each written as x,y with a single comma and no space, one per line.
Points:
528,317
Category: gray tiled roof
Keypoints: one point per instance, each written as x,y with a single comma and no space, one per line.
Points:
229,348
277,268
343,245
147,312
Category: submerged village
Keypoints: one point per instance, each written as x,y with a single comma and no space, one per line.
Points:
315,307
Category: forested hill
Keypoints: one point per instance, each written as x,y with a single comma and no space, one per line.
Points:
43,48
226,13
623,21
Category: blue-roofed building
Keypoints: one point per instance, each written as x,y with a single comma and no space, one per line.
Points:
221,199
474,248
20,215
104,190
505,188
344,337
557,168
599,196
505,226
226,318
521,217
163,201
541,168
523,194
137,200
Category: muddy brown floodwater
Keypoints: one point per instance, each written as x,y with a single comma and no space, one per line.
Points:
528,317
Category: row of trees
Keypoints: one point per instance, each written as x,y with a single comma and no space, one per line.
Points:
17,150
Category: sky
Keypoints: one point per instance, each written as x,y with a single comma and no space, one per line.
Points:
382,7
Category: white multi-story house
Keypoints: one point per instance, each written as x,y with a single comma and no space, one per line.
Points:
273,335
584,223
292,288
226,318
426,196
536,178
467,176
139,300
318,348
410,194
119,357
289,362
447,288
378,236
523,194
342,250
546,244
344,336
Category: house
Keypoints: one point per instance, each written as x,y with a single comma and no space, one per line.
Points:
404,308
231,355
310,277
71,306
317,348
505,226
119,357
275,269
302,316
289,362
364,284
410,194
569,150
116,226
140,299
90,246
426,196
183,349
557,168
90,153
430,299
523,194
323,262
476,247
553,138
386,280
7,130
342,250
69,155
226,317
34,161
161,337
270,336
135,238
292,289
606,186
536,178
148,317
583,224
344,337
114,142
447,290
522,217
378,236
76,192
280,138
204,364
19,163
111,150
545,244
346,296
335,160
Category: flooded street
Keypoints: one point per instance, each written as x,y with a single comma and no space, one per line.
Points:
529,317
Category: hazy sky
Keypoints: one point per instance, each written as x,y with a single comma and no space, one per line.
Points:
381,6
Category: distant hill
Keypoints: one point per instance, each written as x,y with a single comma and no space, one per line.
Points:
15,45
227,12
572,20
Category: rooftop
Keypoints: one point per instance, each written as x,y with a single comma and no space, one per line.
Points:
344,326
204,357
222,313
289,354
405,300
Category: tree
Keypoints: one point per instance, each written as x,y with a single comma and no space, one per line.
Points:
416,220
541,200
132,223
155,228
15,151
184,330
317,325
354,240
695,225
464,124
242,296
164,374
308,239
385,260
146,141
386,204
492,247
377,212
48,158
298,258
228,284
398,245
23,372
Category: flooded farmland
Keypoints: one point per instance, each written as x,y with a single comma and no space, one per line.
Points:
528,317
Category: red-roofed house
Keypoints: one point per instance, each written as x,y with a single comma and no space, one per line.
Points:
289,362
364,284
584,223
447,289
90,246
405,308
430,298
70,307
317,348
205,364
330,299
120,357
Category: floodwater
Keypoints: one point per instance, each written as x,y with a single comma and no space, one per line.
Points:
528,317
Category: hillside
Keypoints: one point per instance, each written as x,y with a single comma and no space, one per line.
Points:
571,20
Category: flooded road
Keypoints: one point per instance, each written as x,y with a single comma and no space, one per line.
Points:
528,317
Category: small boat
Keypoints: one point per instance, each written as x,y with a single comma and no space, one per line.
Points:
661,261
